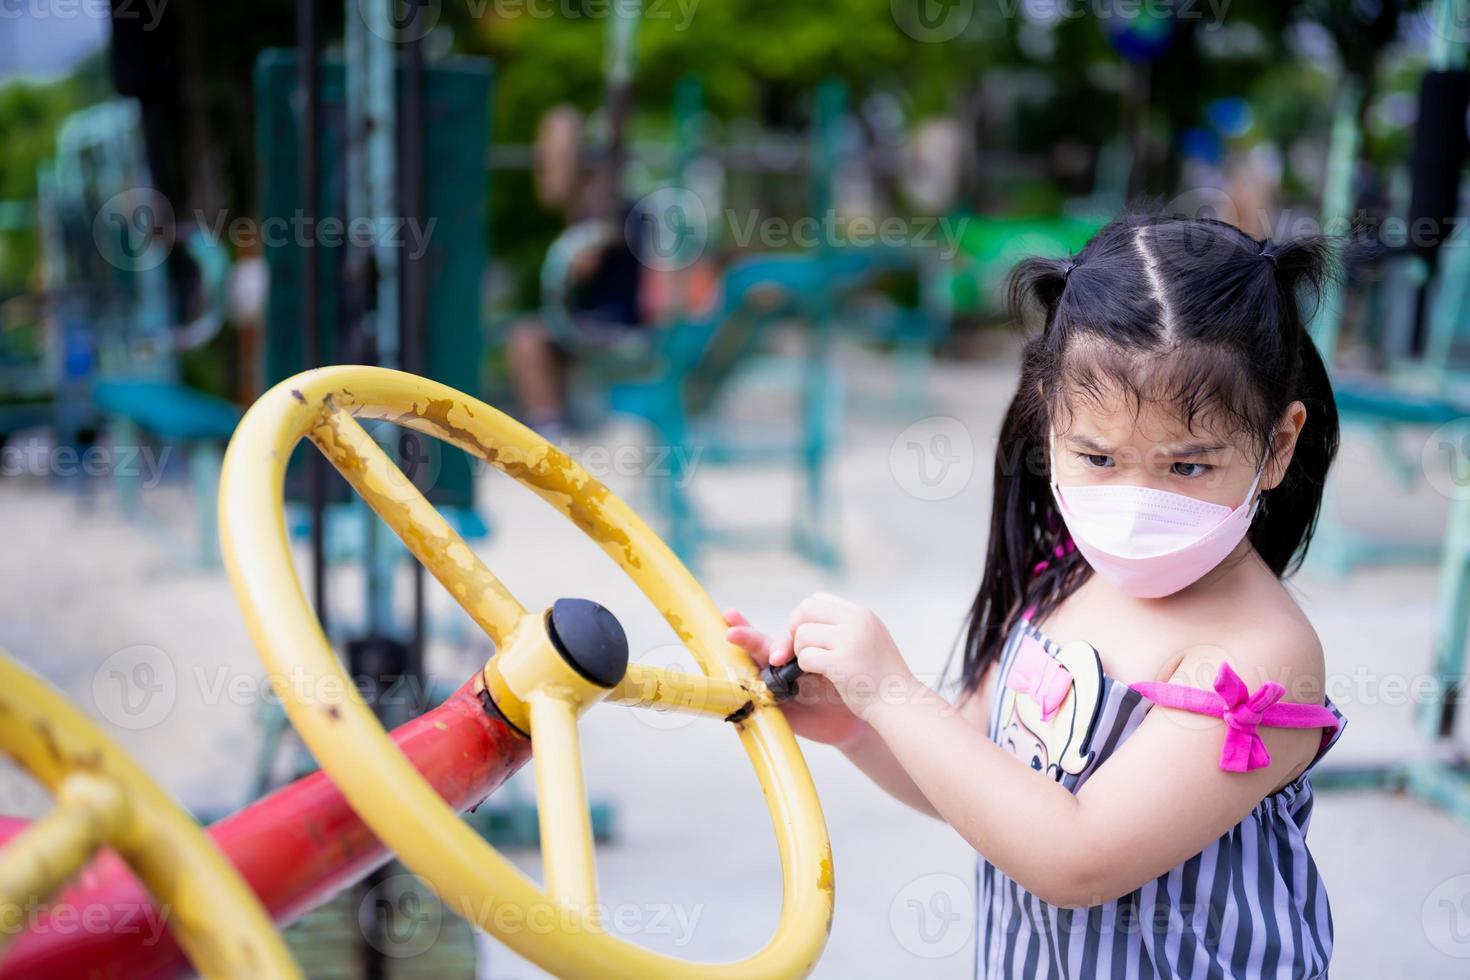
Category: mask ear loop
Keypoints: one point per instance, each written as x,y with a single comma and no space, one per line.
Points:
1253,499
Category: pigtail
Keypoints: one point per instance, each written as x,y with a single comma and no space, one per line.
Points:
1012,545
1034,289
1283,527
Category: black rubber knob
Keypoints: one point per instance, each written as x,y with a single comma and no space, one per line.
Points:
590,639
781,681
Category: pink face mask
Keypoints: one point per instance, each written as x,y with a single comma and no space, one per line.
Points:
1152,543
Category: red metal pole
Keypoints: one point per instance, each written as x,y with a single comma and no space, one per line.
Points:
296,848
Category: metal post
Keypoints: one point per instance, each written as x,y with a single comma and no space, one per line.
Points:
413,330
622,32
376,41
309,89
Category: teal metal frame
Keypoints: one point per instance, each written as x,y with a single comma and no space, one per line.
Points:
1442,777
458,91
117,341
1421,394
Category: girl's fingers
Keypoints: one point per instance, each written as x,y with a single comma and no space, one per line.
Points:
814,660
735,617
818,607
781,650
755,644
746,638
819,635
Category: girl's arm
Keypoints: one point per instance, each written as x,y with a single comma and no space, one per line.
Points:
1160,799
872,754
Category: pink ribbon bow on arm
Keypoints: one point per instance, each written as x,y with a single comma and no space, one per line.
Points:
1039,674
1243,711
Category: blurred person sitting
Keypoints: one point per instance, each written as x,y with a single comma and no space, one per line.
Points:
612,295
605,276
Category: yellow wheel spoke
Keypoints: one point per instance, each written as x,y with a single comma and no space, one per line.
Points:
90,812
390,493
561,804
672,690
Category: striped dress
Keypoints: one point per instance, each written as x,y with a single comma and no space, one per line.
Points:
1250,905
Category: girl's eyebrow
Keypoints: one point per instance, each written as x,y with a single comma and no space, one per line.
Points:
1194,449
1187,449
1091,445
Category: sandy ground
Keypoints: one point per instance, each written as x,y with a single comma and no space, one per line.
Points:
86,597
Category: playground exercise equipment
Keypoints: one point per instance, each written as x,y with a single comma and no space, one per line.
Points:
1424,295
106,241
1424,393
350,322
377,139
384,143
440,248
671,375
307,840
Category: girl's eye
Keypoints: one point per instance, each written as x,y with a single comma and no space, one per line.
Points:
1093,459
1189,470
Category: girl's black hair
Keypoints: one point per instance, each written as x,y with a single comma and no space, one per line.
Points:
1188,312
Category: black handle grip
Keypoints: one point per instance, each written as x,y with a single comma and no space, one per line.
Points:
781,681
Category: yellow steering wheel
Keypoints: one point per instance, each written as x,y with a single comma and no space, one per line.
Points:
104,800
547,669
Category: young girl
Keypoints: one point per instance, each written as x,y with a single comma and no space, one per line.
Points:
1141,698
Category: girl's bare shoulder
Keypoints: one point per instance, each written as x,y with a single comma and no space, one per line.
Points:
1264,635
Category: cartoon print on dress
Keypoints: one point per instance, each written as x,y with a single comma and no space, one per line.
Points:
1049,706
